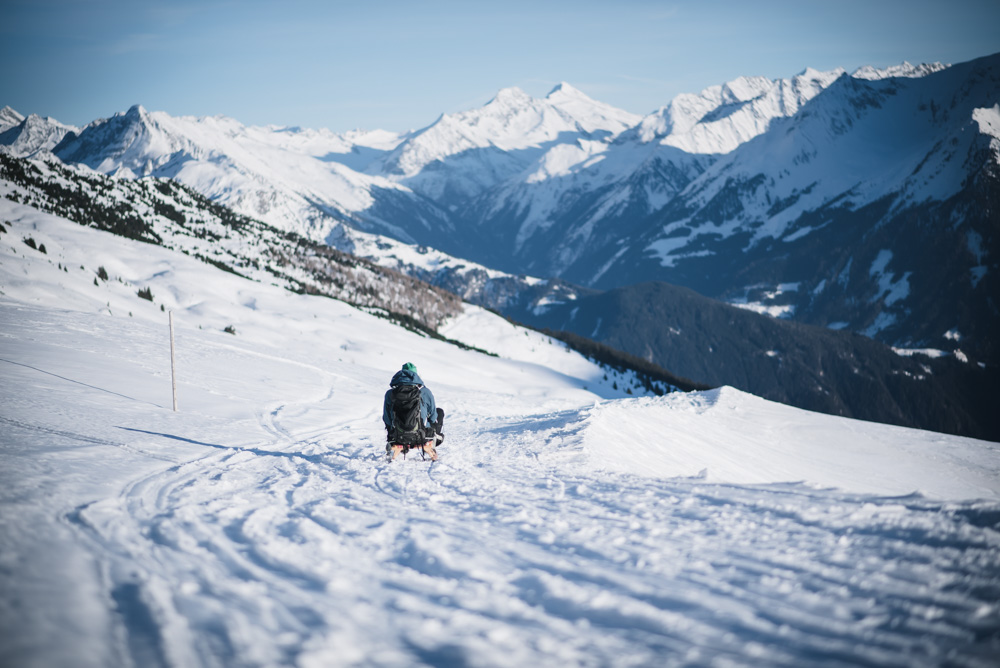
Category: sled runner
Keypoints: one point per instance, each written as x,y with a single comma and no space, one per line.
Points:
426,450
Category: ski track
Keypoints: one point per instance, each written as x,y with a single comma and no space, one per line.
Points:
498,555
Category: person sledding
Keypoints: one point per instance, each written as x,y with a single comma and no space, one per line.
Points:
412,419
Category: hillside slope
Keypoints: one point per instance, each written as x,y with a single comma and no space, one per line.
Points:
564,525
834,372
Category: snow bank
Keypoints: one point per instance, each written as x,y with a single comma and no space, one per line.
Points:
729,436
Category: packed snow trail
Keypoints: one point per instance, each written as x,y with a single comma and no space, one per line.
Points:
305,548
316,553
564,525
285,539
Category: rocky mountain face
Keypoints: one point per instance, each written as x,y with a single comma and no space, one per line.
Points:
874,209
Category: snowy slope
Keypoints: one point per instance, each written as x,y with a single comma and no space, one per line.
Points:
564,525
288,177
9,117
720,118
31,135
168,214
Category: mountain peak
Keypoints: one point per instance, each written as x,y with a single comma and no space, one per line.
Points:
136,111
33,135
812,73
511,95
9,118
564,90
134,114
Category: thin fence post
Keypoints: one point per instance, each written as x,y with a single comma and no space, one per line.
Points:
173,364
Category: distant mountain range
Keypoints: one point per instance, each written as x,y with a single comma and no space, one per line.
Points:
865,202
829,371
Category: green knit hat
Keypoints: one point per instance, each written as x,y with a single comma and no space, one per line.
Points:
409,367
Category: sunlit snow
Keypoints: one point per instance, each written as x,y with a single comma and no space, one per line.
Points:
565,524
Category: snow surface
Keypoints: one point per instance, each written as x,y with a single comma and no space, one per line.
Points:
564,525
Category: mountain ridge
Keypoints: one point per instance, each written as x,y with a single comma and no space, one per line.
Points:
941,169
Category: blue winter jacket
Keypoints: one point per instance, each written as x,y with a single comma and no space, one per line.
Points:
405,377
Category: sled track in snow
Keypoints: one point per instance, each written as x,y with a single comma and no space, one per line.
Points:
309,548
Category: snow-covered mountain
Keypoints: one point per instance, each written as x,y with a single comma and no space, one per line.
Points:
9,118
32,135
521,184
822,197
463,155
283,176
868,210
720,118
809,367
580,196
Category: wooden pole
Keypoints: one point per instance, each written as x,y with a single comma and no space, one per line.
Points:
173,364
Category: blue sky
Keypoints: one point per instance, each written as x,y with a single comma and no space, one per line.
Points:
398,65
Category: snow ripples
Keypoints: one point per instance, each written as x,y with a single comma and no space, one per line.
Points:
315,552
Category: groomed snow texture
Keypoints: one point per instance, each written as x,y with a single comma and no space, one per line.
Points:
564,525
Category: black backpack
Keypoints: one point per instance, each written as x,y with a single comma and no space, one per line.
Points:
407,416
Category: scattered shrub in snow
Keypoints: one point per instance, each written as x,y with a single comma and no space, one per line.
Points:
30,243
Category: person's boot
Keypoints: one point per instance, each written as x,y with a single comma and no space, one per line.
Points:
429,449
